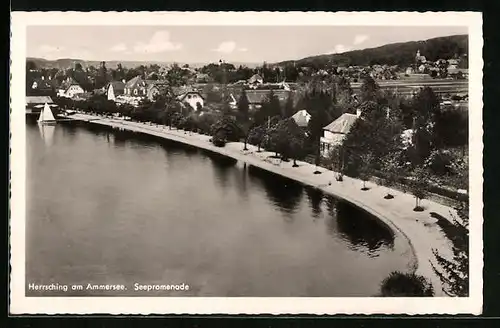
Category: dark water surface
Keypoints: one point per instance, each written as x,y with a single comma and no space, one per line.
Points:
109,207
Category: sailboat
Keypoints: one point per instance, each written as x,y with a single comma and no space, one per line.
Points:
46,116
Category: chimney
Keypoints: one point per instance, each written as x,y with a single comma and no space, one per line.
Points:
358,112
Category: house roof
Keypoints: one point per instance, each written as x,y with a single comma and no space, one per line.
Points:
134,81
302,118
259,96
118,86
161,86
342,124
182,92
67,83
255,78
38,100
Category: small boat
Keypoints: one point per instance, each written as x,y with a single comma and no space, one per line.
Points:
46,116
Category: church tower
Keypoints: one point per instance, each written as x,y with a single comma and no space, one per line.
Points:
417,59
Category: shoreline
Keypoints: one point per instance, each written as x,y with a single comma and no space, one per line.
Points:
419,229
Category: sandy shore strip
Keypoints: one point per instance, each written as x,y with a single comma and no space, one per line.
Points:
419,228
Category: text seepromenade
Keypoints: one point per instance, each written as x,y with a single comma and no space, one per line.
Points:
107,287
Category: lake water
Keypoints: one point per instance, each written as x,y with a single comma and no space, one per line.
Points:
110,207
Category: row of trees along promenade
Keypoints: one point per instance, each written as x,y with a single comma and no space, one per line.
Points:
374,149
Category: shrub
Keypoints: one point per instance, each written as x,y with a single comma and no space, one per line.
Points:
218,142
219,139
439,162
399,284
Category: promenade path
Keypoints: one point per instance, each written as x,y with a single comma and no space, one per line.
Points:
419,228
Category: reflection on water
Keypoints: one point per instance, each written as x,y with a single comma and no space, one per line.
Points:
362,230
280,190
110,206
222,168
315,199
47,133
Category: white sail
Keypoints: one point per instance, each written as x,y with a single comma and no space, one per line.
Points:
46,114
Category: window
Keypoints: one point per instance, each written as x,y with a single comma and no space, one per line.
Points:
135,92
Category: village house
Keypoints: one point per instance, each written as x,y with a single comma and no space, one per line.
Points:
40,87
69,88
255,81
155,88
257,97
115,89
335,132
202,78
189,96
135,87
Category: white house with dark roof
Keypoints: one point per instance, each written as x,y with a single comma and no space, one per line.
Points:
69,88
190,96
115,89
135,87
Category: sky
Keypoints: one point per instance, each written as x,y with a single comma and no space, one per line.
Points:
203,44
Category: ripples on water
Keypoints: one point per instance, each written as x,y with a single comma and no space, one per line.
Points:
109,206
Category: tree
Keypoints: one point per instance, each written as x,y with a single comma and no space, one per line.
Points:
102,78
206,120
342,93
391,172
426,106
243,106
370,90
454,273
257,135
418,185
365,170
271,106
175,76
319,105
289,109
335,156
229,128
399,284
374,133
288,139
30,65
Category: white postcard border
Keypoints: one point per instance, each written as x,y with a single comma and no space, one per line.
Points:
20,304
